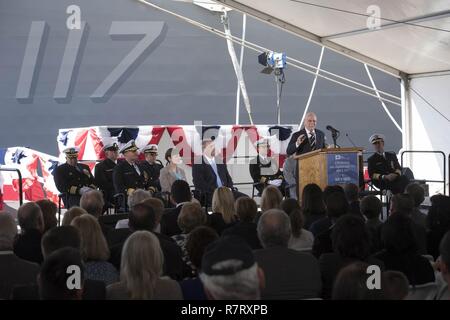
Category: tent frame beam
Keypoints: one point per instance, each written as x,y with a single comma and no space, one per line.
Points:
312,37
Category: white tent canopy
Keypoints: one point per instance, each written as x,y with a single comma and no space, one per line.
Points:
412,42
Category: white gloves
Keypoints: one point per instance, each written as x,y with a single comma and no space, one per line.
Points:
276,182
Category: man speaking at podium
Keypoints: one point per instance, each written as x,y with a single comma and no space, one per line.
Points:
307,139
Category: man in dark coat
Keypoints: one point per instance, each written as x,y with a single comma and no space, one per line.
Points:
152,167
384,168
104,172
307,139
73,178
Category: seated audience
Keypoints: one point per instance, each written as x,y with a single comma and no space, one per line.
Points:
400,251
49,210
438,221
93,203
224,214
229,271
53,278
158,206
404,204
191,216
313,204
28,244
13,270
337,206
196,244
301,239
352,194
245,228
289,274
351,284
444,267
271,198
180,193
371,208
172,171
141,270
396,285
351,242
94,250
143,217
135,197
71,214
418,195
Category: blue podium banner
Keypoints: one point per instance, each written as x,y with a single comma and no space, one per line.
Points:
342,168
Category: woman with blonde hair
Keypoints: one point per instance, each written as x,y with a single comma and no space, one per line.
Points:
71,214
94,250
271,198
224,213
140,271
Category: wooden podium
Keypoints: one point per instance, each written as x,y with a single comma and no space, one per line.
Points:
329,167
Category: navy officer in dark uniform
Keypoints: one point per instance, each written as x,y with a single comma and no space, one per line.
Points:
264,170
384,168
103,172
128,175
73,178
152,167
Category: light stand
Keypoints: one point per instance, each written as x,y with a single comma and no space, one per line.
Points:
279,80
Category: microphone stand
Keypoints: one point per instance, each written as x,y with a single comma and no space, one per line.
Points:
335,135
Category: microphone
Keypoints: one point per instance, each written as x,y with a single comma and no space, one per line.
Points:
333,130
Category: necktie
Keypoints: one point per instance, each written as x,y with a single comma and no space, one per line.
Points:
312,140
137,169
218,180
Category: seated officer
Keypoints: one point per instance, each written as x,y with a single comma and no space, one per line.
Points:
104,172
384,169
264,169
152,167
73,178
128,175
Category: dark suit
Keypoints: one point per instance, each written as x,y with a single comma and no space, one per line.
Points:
305,146
27,246
126,179
379,165
169,222
70,179
104,178
245,230
264,171
290,274
15,271
205,181
151,174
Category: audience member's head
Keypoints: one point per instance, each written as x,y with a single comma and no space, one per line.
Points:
93,243
297,222
229,271
402,203
93,202
337,205
190,217
71,214
48,209
371,207
59,269
223,203
274,228
289,204
136,197
351,191
271,198
246,209
332,189
350,237
416,192
141,265
396,285
142,217
351,284
180,192
8,231
398,236
312,200
444,264
158,207
196,243
58,238
438,217
30,217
